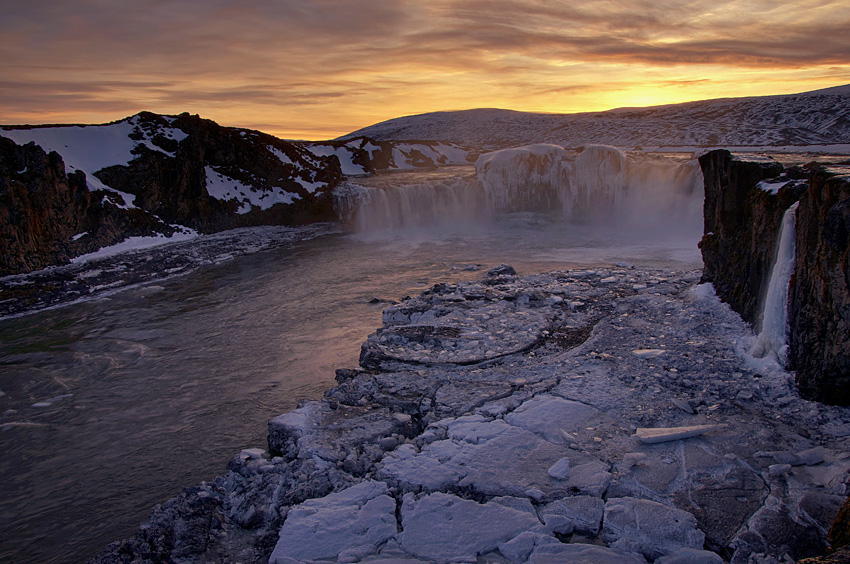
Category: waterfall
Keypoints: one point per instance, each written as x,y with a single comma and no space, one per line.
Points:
410,201
635,194
774,318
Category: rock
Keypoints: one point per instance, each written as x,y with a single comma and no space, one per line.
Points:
839,532
648,527
502,270
664,434
585,512
560,470
550,416
442,527
741,228
518,549
811,456
557,524
690,556
361,516
583,554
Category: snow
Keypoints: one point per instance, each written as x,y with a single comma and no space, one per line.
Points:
135,244
439,153
344,155
772,123
222,187
90,148
282,157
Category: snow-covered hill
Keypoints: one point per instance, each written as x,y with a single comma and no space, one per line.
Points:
821,117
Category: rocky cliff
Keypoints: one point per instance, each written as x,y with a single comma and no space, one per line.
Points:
69,190
48,216
744,205
819,297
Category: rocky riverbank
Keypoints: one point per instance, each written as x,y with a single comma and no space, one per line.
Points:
607,415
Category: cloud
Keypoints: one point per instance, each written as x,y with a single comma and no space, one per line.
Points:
365,58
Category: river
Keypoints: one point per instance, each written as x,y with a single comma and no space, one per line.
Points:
110,406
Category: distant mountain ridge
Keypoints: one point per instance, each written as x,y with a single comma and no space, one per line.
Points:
821,117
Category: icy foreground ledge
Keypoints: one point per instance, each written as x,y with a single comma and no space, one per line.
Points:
459,443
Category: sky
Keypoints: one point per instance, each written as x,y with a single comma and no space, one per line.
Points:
302,69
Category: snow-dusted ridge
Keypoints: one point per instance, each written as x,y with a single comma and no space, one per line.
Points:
818,117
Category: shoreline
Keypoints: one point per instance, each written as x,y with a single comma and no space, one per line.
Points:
453,420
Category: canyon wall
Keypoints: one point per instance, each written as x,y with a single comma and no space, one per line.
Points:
744,204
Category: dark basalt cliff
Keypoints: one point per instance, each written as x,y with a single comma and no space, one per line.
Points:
742,224
42,208
174,187
819,297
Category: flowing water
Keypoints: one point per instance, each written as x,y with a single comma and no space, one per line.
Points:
112,405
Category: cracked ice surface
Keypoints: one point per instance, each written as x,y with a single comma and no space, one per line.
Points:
526,449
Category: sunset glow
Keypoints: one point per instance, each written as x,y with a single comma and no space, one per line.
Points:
320,69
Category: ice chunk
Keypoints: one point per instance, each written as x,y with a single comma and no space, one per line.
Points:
361,516
583,554
548,416
649,527
663,434
443,527
561,469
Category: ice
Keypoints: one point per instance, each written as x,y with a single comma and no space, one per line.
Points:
560,470
773,337
582,554
135,244
515,178
445,528
661,435
690,556
362,516
549,416
649,527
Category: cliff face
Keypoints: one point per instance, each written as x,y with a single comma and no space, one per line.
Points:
43,211
742,221
819,297
78,188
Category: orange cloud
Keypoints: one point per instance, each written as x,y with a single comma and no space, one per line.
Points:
323,68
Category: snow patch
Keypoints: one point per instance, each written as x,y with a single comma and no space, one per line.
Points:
135,244
222,187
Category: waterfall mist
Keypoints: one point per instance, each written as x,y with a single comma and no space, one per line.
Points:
598,188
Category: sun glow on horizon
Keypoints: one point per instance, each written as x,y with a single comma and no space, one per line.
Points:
325,69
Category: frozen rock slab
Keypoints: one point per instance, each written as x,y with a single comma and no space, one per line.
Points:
649,527
664,434
550,417
316,429
690,556
434,331
444,528
584,511
583,554
357,519
493,458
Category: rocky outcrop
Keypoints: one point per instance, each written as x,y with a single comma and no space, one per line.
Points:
744,205
43,211
453,444
819,297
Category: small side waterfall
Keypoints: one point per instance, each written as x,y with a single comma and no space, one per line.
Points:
774,319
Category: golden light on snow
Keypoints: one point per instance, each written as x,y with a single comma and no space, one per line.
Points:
320,69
